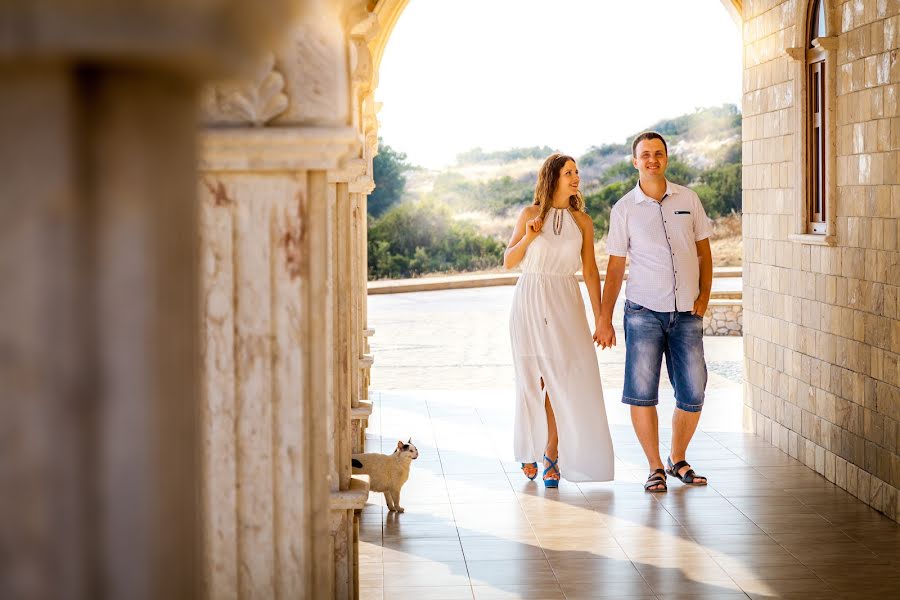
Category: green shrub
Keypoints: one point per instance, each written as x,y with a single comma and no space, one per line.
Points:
413,238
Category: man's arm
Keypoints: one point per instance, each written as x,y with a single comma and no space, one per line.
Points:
615,273
704,253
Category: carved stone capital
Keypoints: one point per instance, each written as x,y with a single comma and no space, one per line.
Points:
362,69
255,101
371,144
362,185
314,63
352,170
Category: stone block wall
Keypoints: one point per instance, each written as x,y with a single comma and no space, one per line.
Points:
822,337
724,317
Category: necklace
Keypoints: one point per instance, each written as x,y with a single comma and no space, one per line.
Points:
557,220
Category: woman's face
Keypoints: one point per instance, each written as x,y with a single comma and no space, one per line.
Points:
568,179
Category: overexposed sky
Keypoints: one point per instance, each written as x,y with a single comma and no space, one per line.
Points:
564,73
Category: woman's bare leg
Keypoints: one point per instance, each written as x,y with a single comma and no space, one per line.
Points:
552,435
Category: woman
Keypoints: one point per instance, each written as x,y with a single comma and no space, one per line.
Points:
559,399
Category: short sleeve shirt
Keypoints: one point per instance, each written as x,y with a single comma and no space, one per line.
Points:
660,240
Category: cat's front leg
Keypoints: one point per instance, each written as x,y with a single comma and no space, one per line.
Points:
396,495
389,500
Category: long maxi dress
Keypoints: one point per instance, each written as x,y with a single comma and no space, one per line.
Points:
551,341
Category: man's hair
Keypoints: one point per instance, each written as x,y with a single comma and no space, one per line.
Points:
648,135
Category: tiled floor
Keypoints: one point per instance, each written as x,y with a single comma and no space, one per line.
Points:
474,527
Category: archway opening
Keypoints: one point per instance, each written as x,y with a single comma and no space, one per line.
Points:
443,373
464,128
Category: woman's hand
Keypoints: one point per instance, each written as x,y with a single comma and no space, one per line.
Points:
533,228
605,335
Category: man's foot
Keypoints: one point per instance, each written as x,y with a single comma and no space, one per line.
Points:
684,473
656,482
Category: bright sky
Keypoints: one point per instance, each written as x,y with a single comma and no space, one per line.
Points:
568,74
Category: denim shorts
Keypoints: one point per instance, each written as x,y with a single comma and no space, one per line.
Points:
648,336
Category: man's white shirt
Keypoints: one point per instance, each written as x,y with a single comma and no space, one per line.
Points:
660,240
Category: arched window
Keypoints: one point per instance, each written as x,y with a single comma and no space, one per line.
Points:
817,132
815,56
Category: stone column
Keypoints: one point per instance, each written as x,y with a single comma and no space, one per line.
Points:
362,35
278,494
99,331
269,419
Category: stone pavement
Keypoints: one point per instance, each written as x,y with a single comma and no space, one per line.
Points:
474,527
459,339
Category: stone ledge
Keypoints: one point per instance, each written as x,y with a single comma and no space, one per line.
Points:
353,498
466,281
363,411
815,239
276,148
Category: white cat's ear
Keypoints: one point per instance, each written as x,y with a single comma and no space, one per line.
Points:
399,445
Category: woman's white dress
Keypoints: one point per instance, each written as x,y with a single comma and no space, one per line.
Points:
551,340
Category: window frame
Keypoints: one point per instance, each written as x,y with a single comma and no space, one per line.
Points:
815,97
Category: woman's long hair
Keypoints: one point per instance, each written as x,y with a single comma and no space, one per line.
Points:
548,178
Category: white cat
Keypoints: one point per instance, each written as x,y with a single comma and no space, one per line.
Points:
387,473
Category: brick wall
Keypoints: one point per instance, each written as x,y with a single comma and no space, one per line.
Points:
821,323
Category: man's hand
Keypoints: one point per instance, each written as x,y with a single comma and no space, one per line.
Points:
700,305
605,335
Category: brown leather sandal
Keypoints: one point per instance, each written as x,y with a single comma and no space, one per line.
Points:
689,477
657,478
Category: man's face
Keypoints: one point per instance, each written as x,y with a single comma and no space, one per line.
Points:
651,159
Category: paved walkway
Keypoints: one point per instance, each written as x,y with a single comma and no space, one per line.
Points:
474,527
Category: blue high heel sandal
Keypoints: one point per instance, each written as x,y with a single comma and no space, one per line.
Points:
551,482
533,466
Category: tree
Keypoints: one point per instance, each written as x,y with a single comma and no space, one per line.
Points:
389,168
679,172
720,189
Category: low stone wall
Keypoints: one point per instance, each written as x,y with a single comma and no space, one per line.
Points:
724,317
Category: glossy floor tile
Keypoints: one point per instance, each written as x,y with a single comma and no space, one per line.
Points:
765,527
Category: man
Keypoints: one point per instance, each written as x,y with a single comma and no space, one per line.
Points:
664,229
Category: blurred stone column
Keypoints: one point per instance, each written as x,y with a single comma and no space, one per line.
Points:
98,300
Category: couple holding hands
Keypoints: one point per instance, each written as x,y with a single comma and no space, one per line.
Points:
560,412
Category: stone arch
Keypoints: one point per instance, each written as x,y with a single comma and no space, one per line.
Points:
101,323
286,166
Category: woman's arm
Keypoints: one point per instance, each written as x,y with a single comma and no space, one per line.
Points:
589,262
527,229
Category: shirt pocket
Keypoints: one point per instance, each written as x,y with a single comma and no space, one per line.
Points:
683,232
